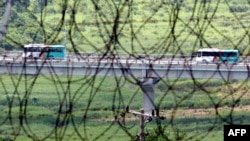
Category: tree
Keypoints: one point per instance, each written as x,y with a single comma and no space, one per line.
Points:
4,25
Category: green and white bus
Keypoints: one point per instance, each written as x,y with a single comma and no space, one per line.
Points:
213,55
41,51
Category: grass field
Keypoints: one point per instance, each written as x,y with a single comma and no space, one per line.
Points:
62,107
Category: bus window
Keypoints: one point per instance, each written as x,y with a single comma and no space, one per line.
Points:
199,54
59,49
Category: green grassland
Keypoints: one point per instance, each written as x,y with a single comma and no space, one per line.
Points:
78,108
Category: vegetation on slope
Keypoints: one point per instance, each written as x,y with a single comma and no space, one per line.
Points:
147,27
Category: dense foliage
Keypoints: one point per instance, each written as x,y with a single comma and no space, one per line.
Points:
90,25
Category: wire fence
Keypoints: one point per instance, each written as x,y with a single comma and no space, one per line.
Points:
100,107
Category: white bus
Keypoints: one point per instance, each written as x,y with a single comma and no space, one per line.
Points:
39,51
214,55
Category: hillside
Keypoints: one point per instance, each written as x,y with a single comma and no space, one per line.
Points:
145,27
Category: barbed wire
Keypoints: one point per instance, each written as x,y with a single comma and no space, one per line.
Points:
50,106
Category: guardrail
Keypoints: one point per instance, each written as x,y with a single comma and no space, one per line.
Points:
16,56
